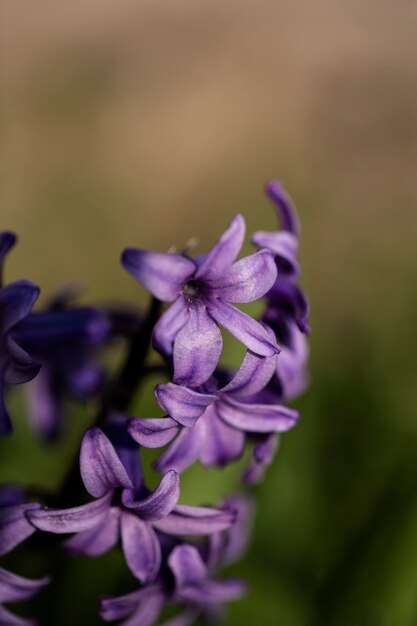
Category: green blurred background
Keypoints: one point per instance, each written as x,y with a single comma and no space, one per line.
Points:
148,123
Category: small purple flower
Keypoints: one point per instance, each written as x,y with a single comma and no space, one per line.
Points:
16,302
201,292
210,423
62,340
125,508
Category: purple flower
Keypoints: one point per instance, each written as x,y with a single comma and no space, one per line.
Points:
201,292
62,340
210,423
16,301
124,508
186,577
15,528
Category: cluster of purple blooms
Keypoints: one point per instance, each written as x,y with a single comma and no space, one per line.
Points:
173,550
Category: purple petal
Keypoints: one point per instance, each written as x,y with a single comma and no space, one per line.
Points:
5,424
247,280
263,455
159,503
215,592
9,619
152,432
98,539
195,520
141,547
144,607
44,405
126,448
101,468
74,520
291,366
284,245
257,418
14,526
169,325
14,588
183,451
225,251
7,241
197,348
21,367
187,565
286,210
164,275
250,332
183,404
254,373
221,443
16,301
289,298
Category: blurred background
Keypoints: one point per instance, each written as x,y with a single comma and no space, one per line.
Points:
148,123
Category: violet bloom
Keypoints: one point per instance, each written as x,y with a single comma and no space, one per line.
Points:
15,528
201,293
62,340
125,508
210,423
187,578
16,302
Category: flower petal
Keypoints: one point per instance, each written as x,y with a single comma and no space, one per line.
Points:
101,468
98,539
250,332
145,611
159,503
14,526
9,619
195,520
141,547
222,443
183,404
5,423
152,432
247,280
284,245
197,348
286,210
21,367
254,373
164,275
7,241
169,325
187,565
263,454
183,451
14,588
213,591
257,418
16,301
225,251
117,608
72,520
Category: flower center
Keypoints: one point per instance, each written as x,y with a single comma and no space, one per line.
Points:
192,290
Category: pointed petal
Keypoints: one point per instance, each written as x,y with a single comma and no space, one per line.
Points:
284,245
152,432
127,450
187,565
257,418
285,208
98,539
183,404
254,373
117,608
101,468
216,592
263,454
183,451
14,526
169,325
250,332
222,443
16,301
14,588
21,367
247,280
45,405
146,613
286,296
159,503
9,619
141,547
164,275
72,520
225,251
195,520
197,348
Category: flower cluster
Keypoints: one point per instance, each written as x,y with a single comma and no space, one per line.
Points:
173,550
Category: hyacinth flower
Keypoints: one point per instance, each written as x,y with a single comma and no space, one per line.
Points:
15,528
125,509
187,578
62,339
202,291
210,423
16,302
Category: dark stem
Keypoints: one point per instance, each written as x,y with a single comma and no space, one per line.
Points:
117,395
